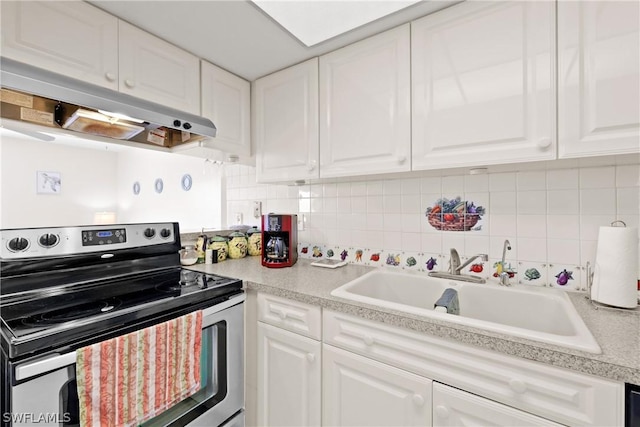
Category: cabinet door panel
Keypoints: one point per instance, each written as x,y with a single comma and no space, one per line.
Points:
289,375
599,77
286,105
364,106
226,101
361,392
483,87
453,407
70,38
157,71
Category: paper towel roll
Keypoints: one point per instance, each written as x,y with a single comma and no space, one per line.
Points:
615,274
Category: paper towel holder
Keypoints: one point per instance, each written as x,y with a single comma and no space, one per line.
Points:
613,224
596,305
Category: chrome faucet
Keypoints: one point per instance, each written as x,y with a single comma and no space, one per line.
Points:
455,268
504,276
454,262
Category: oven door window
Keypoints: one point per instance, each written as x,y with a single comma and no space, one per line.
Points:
213,385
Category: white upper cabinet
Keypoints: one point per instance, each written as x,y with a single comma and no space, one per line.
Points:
157,71
598,77
226,101
286,124
365,123
483,84
70,38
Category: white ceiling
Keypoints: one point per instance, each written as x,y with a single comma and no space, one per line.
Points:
237,36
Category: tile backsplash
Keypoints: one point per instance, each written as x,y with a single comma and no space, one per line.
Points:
551,217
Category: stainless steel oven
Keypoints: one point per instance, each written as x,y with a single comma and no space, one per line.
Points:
52,305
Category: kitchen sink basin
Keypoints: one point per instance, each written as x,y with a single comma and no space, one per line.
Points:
539,314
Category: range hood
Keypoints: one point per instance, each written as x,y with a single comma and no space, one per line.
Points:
38,96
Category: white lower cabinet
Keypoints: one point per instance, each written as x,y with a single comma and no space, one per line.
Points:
289,387
362,392
453,407
367,373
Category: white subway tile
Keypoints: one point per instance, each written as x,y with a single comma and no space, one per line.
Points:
476,183
316,190
358,188
503,202
628,201
452,186
304,205
563,251
604,177
452,239
588,252
392,241
474,245
330,205
375,221
344,205
431,184
374,188
411,223
563,179
392,187
502,181
344,189
532,249
316,205
598,201
563,202
375,204
392,222
532,202
628,176
532,226
563,227
392,203
411,242
358,204
503,225
590,225
411,204
410,186
432,243
531,181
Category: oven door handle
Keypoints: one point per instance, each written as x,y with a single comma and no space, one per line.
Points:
42,366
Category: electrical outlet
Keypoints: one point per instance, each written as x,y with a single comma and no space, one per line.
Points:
257,209
302,219
238,218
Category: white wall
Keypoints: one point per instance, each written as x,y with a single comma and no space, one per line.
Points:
101,178
87,176
194,209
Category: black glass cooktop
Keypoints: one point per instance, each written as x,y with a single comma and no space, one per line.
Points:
70,312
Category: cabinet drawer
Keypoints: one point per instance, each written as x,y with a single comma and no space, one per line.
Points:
453,407
298,317
557,394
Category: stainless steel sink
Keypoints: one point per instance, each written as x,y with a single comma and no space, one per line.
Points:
539,314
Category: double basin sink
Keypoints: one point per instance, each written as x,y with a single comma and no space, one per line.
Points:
540,314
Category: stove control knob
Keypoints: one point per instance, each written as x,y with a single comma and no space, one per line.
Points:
48,240
18,244
165,232
149,233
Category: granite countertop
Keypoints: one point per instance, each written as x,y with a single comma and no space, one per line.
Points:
617,333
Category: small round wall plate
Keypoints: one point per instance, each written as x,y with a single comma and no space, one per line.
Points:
159,185
186,182
136,188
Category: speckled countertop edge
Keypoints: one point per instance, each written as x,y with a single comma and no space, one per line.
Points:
618,334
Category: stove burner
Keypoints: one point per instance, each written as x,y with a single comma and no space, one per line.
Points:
73,313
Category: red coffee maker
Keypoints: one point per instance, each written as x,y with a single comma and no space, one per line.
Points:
279,240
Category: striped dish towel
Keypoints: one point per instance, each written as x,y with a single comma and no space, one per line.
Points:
127,380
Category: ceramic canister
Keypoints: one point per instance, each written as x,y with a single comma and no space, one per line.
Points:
219,244
237,245
255,241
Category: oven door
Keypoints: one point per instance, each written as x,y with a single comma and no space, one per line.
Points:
45,392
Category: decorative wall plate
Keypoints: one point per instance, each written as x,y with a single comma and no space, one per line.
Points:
186,182
159,185
136,188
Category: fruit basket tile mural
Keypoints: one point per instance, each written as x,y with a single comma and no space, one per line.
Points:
455,215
